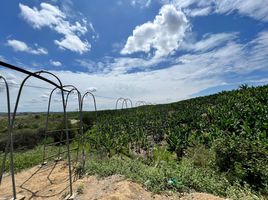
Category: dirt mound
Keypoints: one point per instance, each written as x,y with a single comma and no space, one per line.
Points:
40,182
51,182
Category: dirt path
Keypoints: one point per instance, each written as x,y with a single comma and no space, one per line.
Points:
51,182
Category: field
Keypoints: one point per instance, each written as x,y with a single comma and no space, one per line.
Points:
216,144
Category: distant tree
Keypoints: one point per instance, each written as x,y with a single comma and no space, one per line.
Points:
244,86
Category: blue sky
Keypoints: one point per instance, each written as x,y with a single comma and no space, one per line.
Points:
158,51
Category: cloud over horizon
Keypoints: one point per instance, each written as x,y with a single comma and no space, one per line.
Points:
156,51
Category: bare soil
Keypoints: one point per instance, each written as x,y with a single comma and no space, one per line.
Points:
51,182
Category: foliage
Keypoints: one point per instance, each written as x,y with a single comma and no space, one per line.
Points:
230,126
180,176
215,144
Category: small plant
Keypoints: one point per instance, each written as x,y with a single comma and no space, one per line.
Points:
80,189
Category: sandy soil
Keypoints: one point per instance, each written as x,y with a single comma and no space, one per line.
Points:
51,182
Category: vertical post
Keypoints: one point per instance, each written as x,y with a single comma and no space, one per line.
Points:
46,127
96,117
10,143
68,142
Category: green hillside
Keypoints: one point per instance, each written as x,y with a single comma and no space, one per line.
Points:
216,144
225,132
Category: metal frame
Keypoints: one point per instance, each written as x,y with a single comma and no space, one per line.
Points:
19,95
140,103
124,102
72,89
81,129
9,142
58,85
96,116
12,120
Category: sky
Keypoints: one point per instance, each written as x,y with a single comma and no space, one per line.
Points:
158,51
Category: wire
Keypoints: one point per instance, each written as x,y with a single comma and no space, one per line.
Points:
30,86
46,88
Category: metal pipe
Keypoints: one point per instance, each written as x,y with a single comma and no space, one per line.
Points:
10,142
117,101
28,73
129,100
37,75
67,134
96,117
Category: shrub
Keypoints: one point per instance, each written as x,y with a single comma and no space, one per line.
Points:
242,160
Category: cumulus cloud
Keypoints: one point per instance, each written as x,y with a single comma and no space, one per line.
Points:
55,63
73,43
214,54
163,35
52,17
231,63
23,47
256,9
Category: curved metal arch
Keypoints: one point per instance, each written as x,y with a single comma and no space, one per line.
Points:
34,74
38,73
96,117
81,131
60,86
47,116
70,91
140,103
126,102
94,101
117,101
9,142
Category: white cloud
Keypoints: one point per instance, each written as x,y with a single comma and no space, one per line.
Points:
55,63
73,43
135,3
214,54
198,11
91,89
52,17
11,80
232,63
163,35
2,58
239,59
119,65
141,3
257,9
209,42
23,47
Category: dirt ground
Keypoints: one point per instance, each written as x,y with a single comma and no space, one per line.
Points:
51,182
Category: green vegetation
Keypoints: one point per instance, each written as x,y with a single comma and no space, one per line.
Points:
229,128
216,144
183,176
29,130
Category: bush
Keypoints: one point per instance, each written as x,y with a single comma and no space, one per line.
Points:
243,161
182,177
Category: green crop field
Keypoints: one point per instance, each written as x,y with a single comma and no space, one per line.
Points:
222,140
216,144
